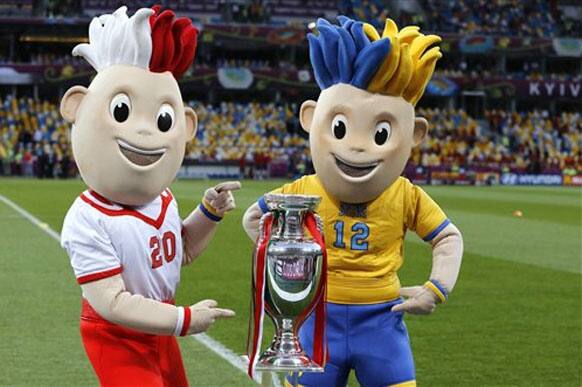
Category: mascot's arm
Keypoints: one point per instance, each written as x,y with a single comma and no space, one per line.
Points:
199,227
114,303
251,221
447,253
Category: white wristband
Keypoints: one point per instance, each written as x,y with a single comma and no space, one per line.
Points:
180,321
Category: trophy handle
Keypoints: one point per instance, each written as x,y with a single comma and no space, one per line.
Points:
319,223
261,228
258,242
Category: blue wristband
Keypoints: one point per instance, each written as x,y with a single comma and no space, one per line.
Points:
263,205
208,214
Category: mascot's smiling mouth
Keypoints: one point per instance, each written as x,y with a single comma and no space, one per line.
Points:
354,170
140,156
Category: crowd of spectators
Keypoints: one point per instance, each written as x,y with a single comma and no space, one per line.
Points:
530,142
245,11
530,70
59,8
266,138
34,139
569,22
253,64
532,18
16,8
256,135
372,11
536,141
49,58
46,8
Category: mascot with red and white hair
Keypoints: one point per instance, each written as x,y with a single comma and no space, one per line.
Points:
124,236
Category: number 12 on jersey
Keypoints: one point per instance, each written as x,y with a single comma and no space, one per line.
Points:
360,234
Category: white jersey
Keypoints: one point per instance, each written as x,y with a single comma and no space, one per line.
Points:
143,244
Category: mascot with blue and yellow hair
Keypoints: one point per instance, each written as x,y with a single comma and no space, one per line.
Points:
361,131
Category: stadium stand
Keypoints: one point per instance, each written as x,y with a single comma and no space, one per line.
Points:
519,142
34,139
258,134
240,11
496,17
535,18
506,101
372,10
16,8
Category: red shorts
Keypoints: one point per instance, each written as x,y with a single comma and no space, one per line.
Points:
126,357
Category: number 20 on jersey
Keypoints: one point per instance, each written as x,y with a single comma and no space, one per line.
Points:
165,245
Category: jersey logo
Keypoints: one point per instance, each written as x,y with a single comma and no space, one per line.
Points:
358,210
167,245
359,238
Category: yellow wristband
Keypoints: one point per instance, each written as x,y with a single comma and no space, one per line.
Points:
436,290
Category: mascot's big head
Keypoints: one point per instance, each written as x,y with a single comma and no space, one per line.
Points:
130,126
362,127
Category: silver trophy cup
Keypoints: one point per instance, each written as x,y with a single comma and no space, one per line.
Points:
292,279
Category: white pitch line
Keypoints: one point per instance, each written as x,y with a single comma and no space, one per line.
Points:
216,347
234,359
34,220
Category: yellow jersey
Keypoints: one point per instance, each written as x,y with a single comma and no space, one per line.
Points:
365,242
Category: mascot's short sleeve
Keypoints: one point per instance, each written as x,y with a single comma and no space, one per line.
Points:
423,215
92,255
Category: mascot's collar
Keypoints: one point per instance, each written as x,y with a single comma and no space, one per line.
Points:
109,208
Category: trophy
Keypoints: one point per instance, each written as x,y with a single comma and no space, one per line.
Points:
289,282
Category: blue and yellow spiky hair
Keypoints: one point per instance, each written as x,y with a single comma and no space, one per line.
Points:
396,63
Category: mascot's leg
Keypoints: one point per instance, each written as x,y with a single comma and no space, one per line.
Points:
337,368
121,357
171,364
125,357
379,346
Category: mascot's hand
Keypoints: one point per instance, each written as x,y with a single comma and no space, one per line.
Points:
221,198
204,314
419,300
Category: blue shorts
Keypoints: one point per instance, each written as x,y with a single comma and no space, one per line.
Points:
370,339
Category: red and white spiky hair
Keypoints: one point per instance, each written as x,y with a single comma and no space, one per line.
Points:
150,39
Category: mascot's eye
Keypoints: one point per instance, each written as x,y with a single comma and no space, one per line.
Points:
339,126
120,107
165,117
383,131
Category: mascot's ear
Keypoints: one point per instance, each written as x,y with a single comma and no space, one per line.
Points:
306,114
71,102
191,122
420,130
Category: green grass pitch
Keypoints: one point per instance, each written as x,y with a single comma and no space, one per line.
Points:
515,317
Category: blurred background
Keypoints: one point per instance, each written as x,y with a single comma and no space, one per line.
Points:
504,103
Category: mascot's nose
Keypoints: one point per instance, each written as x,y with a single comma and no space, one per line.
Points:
144,132
357,149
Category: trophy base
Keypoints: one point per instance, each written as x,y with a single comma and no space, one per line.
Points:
286,363
286,355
